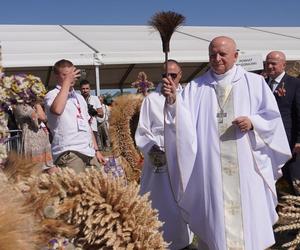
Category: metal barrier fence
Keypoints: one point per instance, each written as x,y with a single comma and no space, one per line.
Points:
14,141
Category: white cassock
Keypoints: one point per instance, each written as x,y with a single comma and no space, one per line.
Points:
150,131
224,179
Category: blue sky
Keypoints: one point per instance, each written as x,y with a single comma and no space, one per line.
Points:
122,12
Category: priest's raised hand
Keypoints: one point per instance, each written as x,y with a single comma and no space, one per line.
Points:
169,90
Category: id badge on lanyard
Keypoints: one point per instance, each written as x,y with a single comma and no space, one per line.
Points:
82,124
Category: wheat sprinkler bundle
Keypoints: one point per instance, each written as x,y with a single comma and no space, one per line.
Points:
166,23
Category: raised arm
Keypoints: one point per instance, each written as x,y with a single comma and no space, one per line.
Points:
59,103
169,90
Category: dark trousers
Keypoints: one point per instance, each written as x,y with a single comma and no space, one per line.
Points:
291,171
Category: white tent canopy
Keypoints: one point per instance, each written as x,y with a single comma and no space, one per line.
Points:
120,52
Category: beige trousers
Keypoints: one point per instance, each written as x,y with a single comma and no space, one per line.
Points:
77,161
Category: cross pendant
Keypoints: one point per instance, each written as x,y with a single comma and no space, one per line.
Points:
221,115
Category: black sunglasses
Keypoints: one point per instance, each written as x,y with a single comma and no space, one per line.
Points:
173,75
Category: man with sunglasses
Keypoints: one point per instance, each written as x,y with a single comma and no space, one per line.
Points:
230,145
155,179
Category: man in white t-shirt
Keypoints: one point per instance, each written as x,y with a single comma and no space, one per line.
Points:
94,107
73,144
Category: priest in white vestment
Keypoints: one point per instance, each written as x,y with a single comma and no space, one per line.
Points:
230,146
149,138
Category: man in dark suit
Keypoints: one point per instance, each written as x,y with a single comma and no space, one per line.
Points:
287,93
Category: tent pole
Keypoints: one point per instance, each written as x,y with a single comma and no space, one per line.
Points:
97,72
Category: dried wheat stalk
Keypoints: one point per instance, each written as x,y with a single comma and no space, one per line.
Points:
18,169
18,227
122,137
166,23
96,210
289,219
294,243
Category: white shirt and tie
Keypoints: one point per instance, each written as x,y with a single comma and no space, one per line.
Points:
274,82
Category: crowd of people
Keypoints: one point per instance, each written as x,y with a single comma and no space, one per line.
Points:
65,118
213,150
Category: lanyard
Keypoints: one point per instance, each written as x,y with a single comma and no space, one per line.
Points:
75,101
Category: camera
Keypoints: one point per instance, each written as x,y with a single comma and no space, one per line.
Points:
91,110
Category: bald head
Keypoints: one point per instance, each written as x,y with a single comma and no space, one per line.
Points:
278,55
222,54
223,40
275,64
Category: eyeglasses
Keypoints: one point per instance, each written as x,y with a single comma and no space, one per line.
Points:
173,75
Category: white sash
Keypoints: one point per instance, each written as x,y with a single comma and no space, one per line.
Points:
233,220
